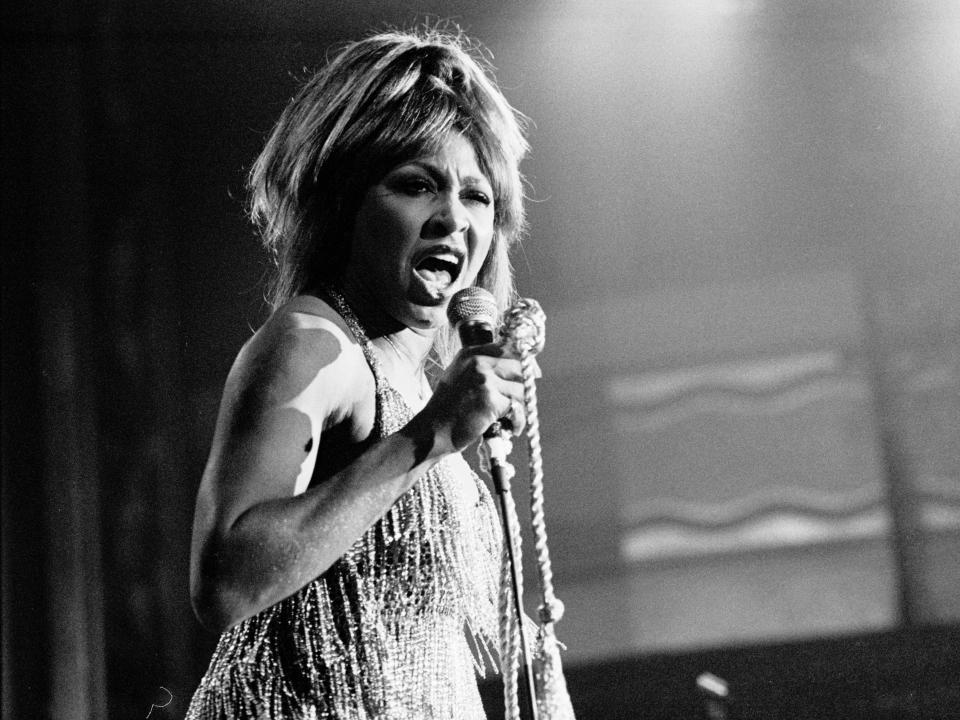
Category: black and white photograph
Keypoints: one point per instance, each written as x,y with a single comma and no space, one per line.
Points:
490,360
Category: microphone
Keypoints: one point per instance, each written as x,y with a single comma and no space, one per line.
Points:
473,312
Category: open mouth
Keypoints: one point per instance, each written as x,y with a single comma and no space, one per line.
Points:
439,267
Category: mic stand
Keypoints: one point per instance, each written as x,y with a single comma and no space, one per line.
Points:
716,696
496,448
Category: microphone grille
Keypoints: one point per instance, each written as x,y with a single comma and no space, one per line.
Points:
472,304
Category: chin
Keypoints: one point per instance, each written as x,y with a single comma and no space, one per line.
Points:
420,316
426,310
429,318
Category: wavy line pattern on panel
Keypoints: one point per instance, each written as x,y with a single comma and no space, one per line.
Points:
932,377
652,390
938,487
745,405
939,502
794,500
775,530
939,517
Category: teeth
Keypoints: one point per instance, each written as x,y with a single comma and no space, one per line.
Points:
447,257
439,267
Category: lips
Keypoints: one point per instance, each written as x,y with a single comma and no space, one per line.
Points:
439,267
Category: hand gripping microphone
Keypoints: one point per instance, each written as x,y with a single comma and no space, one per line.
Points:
473,312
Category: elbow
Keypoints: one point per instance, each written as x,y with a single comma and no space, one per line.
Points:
211,610
215,603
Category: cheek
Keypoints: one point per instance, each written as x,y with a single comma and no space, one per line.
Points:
481,255
400,227
382,235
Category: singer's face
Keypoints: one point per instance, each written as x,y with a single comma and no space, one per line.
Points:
422,233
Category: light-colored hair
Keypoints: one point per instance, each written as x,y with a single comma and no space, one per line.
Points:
377,103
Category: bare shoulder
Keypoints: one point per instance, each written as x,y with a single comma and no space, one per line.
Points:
303,357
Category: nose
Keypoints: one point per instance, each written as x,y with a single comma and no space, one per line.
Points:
450,218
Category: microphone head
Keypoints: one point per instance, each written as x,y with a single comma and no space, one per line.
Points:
472,304
473,312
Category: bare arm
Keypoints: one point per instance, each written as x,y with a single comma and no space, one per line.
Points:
259,535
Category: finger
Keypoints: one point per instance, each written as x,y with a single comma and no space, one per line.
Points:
501,367
515,367
489,349
518,418
511,389
510,370
513,420
511,395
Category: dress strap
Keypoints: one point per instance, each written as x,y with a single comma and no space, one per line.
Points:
339,303
391,411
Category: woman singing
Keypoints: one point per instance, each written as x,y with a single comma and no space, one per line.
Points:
341,544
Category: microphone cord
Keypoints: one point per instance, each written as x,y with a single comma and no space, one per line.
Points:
511,579
548,678
551,608
552,698
549,699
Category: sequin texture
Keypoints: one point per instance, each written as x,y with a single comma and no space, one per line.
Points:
397,628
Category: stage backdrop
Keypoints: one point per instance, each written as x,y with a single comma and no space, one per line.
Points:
744,227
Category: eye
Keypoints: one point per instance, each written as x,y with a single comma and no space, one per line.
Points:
477,196
416,185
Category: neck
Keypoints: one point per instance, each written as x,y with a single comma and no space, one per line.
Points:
380,327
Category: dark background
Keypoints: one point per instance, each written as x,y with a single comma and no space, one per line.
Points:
678,147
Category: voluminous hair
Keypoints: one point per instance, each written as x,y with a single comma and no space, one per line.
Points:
378,103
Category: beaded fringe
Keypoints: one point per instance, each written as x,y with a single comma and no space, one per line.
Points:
397,628
383,633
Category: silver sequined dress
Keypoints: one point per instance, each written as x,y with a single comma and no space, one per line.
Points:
396,629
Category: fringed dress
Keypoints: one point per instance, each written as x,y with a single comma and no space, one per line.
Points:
397,629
